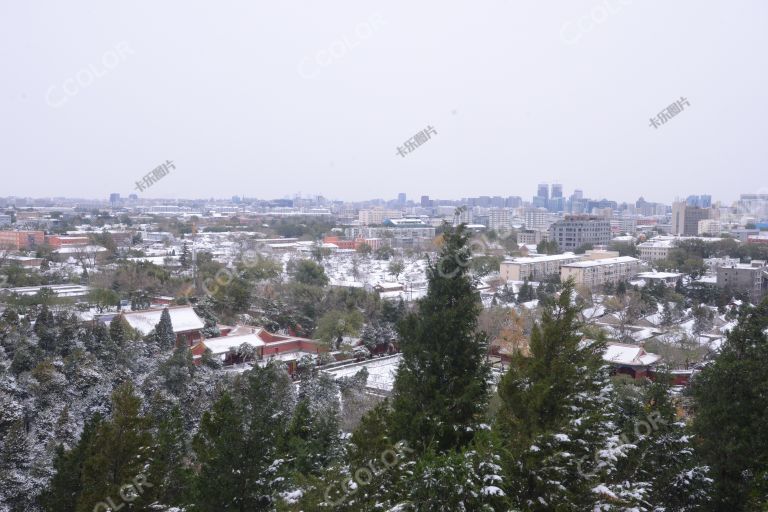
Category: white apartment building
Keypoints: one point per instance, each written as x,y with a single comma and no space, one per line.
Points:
595,273
658,248
538,218
499,219
655,250
710,227
535,268
376,216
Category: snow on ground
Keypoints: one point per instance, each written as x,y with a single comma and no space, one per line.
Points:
381,371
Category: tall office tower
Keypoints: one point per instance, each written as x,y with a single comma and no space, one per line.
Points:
114,198
542,196
556,203
401,198
425,202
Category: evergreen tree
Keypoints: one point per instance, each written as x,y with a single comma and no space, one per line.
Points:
731,396
663,460
166,339
313,437
555,422
45,328
65,487
441,386
169,470
184,259
16,489
178,370
119,330
238,443
117,455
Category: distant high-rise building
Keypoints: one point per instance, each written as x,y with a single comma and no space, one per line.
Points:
114,198
401,198
425,202
685,218
557,190
702,201
541,199
577,194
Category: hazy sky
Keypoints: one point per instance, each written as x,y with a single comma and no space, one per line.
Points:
269,99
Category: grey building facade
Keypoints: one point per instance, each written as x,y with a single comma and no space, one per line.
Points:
575,231
750,279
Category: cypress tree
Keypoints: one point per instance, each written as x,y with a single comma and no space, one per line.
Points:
65,487
441,386
169,471
166,339
119,330
117,455
555,415
731,419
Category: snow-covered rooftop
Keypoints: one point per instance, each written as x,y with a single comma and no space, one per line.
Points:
183,319
629,355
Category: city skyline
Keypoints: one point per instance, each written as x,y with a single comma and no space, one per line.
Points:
258,99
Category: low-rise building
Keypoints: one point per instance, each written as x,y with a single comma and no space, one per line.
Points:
628,359
18,240
377,216
761,239
187,326
264,346
594,273
750,279
59,241
532,236
536,268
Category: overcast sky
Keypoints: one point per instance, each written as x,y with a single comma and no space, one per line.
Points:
270,99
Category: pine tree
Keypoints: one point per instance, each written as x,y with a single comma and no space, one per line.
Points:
169,470
117,455
45,328
238,443
166,339
556,423
184,259
119,330
441,386
731,403
178,370
64,489
313,437
663,460
16,488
